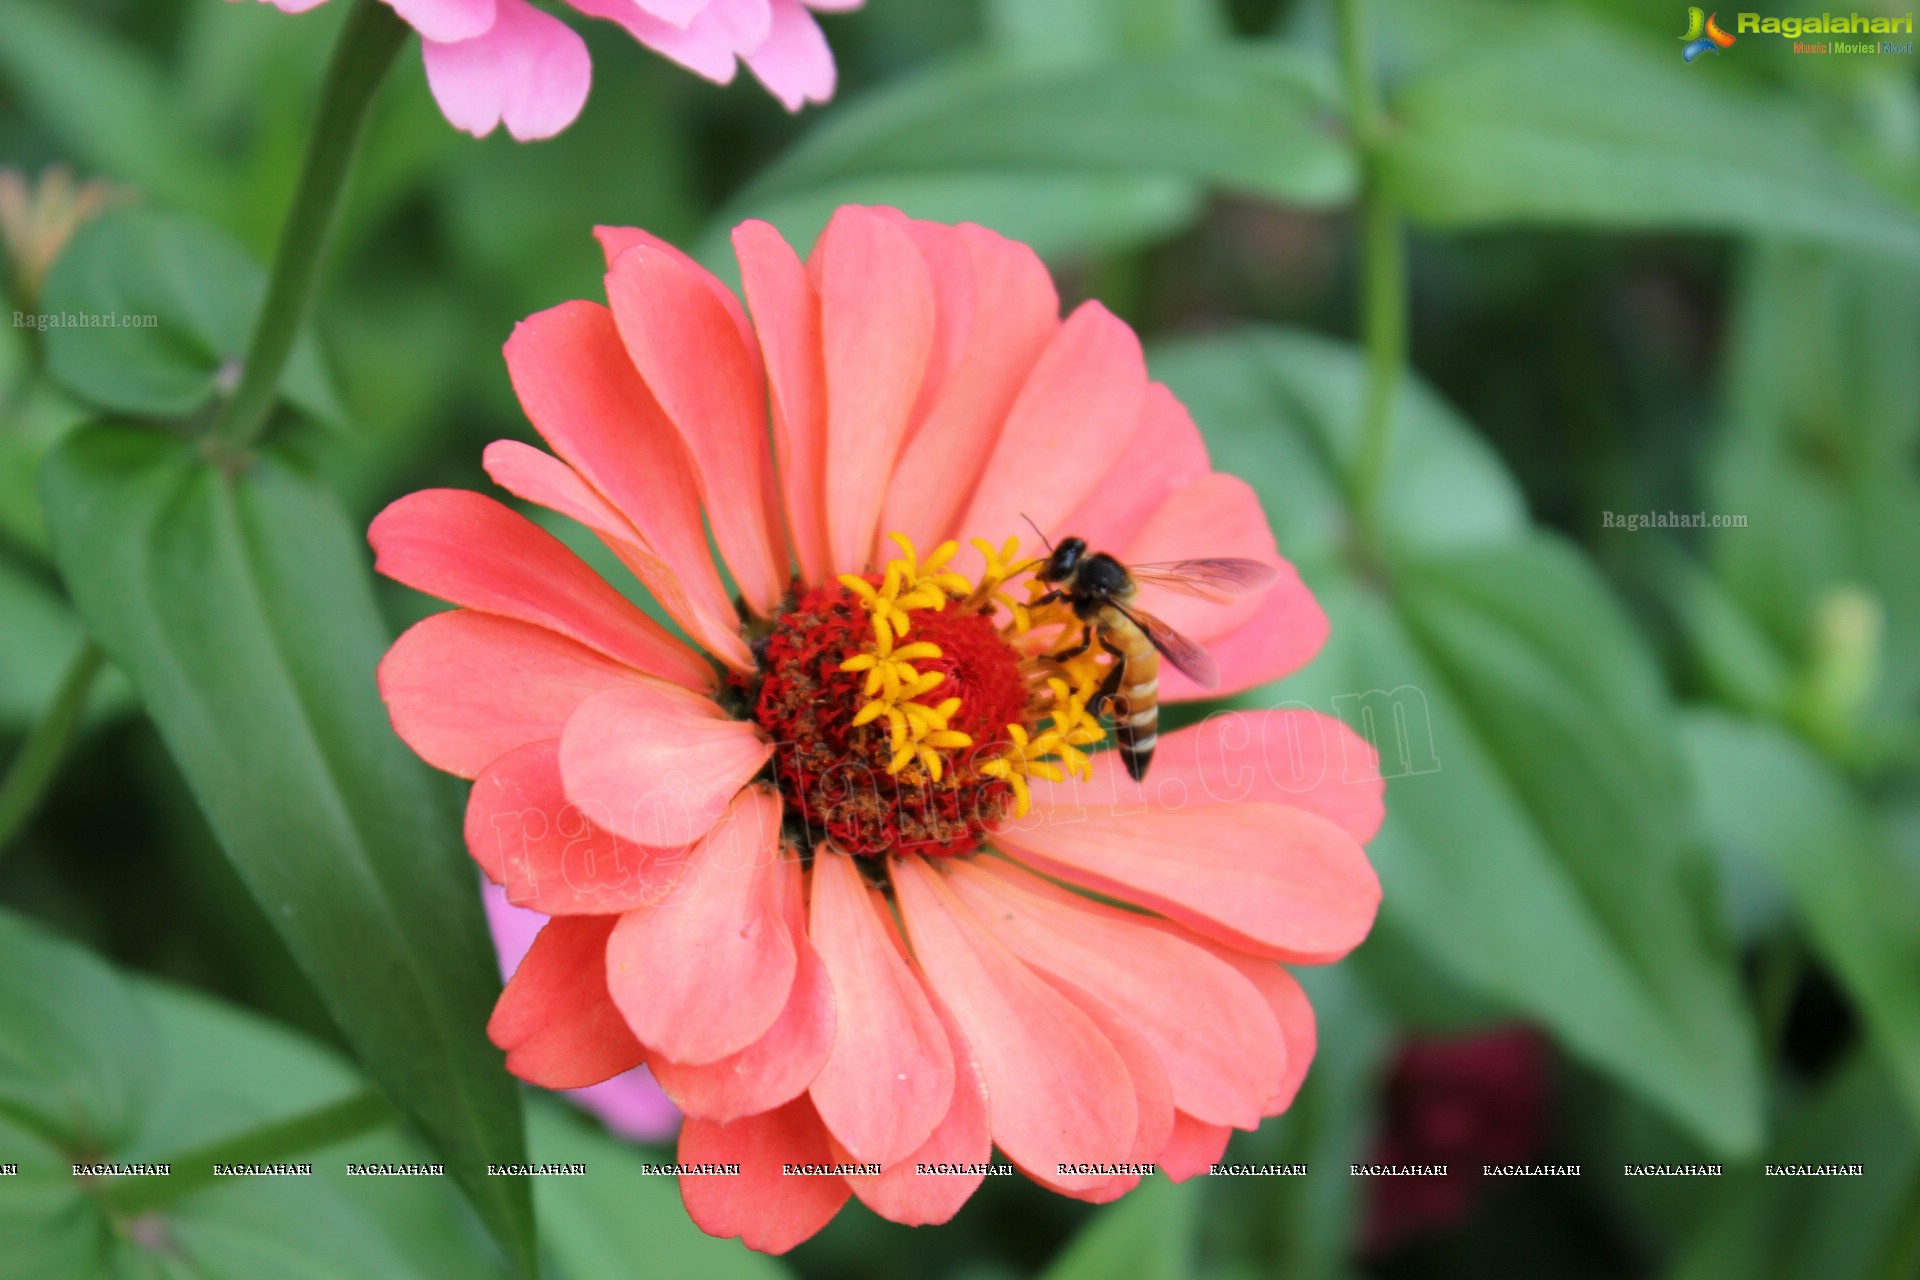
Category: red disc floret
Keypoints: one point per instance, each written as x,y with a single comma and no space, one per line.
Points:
833,774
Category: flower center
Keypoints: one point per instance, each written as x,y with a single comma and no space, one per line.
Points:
906,708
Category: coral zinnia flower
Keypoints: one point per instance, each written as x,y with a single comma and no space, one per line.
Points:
817,863
495,61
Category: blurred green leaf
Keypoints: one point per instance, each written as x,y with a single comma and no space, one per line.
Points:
114,109
1767,797
1067,32
603,1224
1535,822
239,607
142,1071
1816,448
1146,1235
202,292
1536,113
1247,118
1818,1228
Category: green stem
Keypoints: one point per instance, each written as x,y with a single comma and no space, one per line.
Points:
1383,289
190,1171
39,758
368,45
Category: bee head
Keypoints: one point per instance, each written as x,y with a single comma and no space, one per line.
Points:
1060,565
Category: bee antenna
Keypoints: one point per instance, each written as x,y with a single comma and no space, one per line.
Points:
1036,528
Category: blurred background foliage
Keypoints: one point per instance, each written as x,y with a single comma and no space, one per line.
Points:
1653,850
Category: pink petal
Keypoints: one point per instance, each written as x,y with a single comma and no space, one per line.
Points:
657,765
793,61
767,1209
554,1019
473,551
678,12
1060,1091
746,22
699,43
1072,420
465,688
902,1193
1222,1050
446,20
786,313
1164,454
555,856
529,70
1290,757
1269,879
889,1081
1287,1000
705,974
689,348
1153,1096
1194,1148
295,6
584,396
1014,312
778,1066
1216,515
1285,632
876,325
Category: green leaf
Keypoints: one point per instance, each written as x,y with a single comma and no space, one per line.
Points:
1068,32
1822,411
1766,797
1817,1228
239,607
603,1223
144,1071
1535,836
1534,113
180,299
1147,1235
1247,118
113,109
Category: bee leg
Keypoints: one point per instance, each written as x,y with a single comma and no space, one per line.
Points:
1086,642
1109,687
1052,597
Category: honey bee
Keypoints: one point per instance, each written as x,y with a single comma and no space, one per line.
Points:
1101,591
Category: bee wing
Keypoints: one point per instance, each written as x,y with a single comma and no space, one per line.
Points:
1192,661
1218,580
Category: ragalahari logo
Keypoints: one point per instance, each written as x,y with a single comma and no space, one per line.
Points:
1703,34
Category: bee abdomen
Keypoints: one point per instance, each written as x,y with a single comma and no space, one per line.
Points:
1136,723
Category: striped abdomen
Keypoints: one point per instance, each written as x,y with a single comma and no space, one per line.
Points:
1136,700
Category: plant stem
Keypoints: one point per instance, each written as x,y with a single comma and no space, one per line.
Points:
39,759
368,44
1383,290
190,1171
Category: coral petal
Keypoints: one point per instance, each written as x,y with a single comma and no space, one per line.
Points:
778,1066
464,688
1269,879
1221,1048
705,974
1291,757
876,327
1072,421
1164,454
656,765
555,1019
1060,1092
890,1078
469,549
767,1209
689,346
1153,1097
1194,1148
548,853
1216,515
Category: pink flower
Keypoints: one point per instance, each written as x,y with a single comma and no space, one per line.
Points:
505,61
817,863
